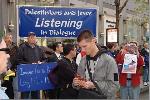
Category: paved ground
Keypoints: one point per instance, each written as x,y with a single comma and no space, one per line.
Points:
144,95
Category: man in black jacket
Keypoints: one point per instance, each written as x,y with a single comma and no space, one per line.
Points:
145,54
30,53
58,49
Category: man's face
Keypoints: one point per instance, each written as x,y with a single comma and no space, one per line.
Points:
146,45
132,48
8,39
59,48
73,52
87,45
32,39
3,58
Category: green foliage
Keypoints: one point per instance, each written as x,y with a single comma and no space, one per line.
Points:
141,10
142,6
1,34
69,41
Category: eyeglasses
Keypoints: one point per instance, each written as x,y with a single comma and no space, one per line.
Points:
7,50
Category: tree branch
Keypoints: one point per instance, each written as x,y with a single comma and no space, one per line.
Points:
119,2
116,2
125,3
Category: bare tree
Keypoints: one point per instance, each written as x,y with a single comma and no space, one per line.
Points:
119,10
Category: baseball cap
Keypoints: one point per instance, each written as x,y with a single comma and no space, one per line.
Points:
31,34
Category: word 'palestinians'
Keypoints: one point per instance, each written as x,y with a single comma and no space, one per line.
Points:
42,12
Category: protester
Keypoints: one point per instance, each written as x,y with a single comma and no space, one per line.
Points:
58,49
30,53
3,65
8,79
145,54
67,69
129,79
111,49
55,57
80,55
101,65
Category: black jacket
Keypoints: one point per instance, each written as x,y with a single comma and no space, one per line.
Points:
13,53
66,71
145,54
53,58
28,55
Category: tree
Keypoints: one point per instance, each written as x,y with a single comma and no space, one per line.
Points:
141,11
119,10
1,34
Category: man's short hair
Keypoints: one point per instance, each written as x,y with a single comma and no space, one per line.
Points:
31,34
134,42
85,34
55,45
67,48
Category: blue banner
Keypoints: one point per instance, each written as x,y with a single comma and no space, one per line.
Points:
33,77
56,22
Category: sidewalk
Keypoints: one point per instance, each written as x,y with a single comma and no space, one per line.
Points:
143,88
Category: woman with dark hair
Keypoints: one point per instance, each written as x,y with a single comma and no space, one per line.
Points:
111,49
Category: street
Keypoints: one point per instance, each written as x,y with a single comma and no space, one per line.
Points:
144,95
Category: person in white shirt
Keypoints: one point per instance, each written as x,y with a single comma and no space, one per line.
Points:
58,49
55,57
3,65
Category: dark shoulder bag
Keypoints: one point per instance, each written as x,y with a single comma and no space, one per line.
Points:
88,93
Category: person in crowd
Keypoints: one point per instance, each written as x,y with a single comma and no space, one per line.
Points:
111,49
3,65
66,72
12,65
30,53
47,51
102,66
58,49
54,57
130,81
80,55
117,49
145,54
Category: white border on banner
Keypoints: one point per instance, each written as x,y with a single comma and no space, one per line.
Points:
18,38
18,20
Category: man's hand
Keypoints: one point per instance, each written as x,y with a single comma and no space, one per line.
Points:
76,82
40,62
89,85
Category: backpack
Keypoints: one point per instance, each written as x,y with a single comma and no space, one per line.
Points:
52,75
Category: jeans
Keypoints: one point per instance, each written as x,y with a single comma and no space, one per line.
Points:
15,87
129,91
30,95
145,74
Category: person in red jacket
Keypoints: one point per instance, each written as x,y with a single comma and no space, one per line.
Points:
129,82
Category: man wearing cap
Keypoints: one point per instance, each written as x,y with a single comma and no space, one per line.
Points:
30,53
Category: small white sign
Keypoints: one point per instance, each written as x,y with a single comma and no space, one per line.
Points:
112,35
130,63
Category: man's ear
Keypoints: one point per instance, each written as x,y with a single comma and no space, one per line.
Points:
94,40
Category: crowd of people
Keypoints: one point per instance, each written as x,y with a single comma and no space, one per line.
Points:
80,67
